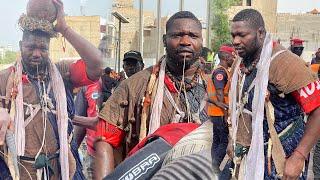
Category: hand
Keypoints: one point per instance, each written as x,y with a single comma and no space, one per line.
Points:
223,106
5,124
61,25
293,166
93,123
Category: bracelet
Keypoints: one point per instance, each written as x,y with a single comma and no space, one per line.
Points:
300,154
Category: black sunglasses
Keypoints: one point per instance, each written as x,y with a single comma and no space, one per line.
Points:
298,48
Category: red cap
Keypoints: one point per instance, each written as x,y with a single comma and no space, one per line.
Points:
227,49
296,41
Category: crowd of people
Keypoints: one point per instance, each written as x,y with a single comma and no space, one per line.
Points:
258,109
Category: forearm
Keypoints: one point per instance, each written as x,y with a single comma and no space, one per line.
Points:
220,97
311,134
104,160
85,122
87,51
221,103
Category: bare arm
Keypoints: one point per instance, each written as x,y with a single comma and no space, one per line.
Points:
311,133
295,163
104,157
220,98
88,52
85,122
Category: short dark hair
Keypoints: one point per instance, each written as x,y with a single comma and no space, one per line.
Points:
204,52
40,33
252,16
182,15
107,70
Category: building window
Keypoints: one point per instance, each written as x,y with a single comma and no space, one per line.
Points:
110,31
248,2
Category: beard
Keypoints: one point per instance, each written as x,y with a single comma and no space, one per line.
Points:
176,61
252,52
35,69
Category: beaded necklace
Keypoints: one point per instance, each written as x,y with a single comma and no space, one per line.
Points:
187,83
250,68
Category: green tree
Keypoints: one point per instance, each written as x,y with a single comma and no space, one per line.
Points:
220,22
10,57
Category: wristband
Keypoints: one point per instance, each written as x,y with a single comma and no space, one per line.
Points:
300,154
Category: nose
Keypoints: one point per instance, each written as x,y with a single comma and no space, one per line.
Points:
236,41
185,40
36,53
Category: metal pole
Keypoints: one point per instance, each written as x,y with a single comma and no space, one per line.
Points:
158,29
116,55
208,44
119,53
181,5
141,27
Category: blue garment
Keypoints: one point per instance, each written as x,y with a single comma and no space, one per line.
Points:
286,111
219,140
53,121
195,97
4,171
219,78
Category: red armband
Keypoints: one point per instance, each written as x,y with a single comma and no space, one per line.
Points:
109,133
308,97
78,74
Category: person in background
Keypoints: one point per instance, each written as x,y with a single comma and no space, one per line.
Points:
132,63
109,82
296,46
218,89
206,55
315,58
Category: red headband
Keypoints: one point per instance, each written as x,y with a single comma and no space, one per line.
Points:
296,41
227,49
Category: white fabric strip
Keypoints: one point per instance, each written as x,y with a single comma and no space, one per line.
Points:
158,101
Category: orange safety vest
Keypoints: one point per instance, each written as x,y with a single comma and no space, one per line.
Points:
315,68
214,110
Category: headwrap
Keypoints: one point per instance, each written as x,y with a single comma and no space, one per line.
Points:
28,23
296,42
227,49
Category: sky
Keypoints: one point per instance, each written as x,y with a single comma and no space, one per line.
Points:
10,10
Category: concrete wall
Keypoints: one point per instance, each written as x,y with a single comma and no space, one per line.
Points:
87,26
304,26
268,9
130,31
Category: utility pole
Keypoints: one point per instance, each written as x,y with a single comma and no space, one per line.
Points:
121,20
158,29
141,27
181,5
208,43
